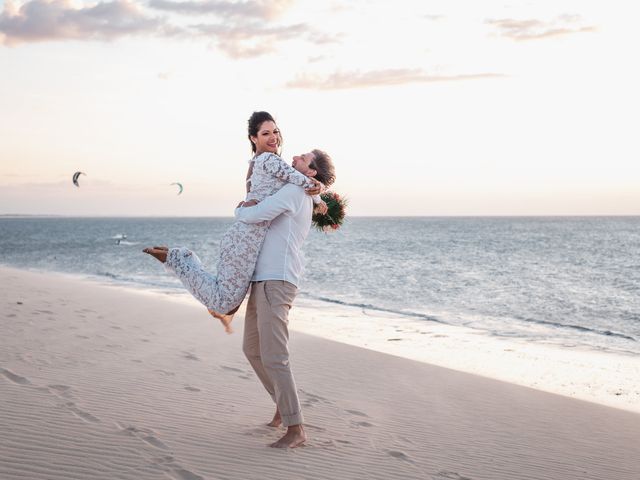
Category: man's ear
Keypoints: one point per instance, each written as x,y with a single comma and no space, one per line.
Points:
312,173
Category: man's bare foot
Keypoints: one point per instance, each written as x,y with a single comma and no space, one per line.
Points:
294,437
162,247
160,255
225,319
277,420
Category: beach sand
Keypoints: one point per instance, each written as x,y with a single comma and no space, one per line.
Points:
99,381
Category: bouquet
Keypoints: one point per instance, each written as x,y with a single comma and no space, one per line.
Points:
336,210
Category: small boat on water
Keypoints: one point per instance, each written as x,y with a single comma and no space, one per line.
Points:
118,238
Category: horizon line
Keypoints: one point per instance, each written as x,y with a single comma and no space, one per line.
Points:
561,215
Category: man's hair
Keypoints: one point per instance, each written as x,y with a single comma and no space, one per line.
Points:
323,164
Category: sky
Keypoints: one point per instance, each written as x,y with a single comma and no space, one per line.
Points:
427,107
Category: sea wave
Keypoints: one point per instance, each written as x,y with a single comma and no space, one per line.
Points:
432,318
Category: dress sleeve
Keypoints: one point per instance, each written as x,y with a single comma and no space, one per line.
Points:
276,167
287,199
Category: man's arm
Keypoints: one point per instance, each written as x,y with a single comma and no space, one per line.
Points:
287,199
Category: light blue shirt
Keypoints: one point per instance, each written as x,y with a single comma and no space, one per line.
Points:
289,210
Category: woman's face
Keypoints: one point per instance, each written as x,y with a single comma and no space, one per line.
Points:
268,138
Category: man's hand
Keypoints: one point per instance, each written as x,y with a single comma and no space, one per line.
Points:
321,208
249,203
317,189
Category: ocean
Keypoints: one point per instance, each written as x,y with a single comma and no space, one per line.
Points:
567,281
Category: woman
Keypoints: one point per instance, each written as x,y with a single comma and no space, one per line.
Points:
223,293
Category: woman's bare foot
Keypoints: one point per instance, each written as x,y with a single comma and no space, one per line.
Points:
294,437
277,420
162,247
225,319
158,254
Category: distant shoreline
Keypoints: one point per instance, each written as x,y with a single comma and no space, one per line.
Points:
36,215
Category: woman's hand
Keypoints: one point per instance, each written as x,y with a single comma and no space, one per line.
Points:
321,208
317,189
248,203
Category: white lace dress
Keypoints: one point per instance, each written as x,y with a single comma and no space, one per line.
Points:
240,245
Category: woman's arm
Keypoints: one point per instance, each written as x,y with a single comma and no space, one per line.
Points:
287,199
277,167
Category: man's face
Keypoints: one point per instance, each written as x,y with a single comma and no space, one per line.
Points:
301,163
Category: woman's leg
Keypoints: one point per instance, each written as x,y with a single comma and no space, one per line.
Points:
224,292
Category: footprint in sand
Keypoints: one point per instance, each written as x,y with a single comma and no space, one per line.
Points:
314,427
144,434
312,398
356,412
14,378
260,431
192,389
190,356
86,416
363,424
165,373
175,471
445,474
405,440
232,369
60,390
399,455
153,441
163,460
182,474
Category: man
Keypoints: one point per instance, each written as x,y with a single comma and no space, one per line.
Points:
274,287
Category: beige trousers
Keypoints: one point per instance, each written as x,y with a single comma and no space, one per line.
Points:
265,344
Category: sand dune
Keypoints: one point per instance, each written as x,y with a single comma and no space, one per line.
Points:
102,382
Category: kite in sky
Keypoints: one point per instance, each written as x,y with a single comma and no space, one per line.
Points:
179,186
75,178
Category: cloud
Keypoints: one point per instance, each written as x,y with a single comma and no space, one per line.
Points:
249,9
249,40
41,20
534,29
253,39
317,58
238,29
378,78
